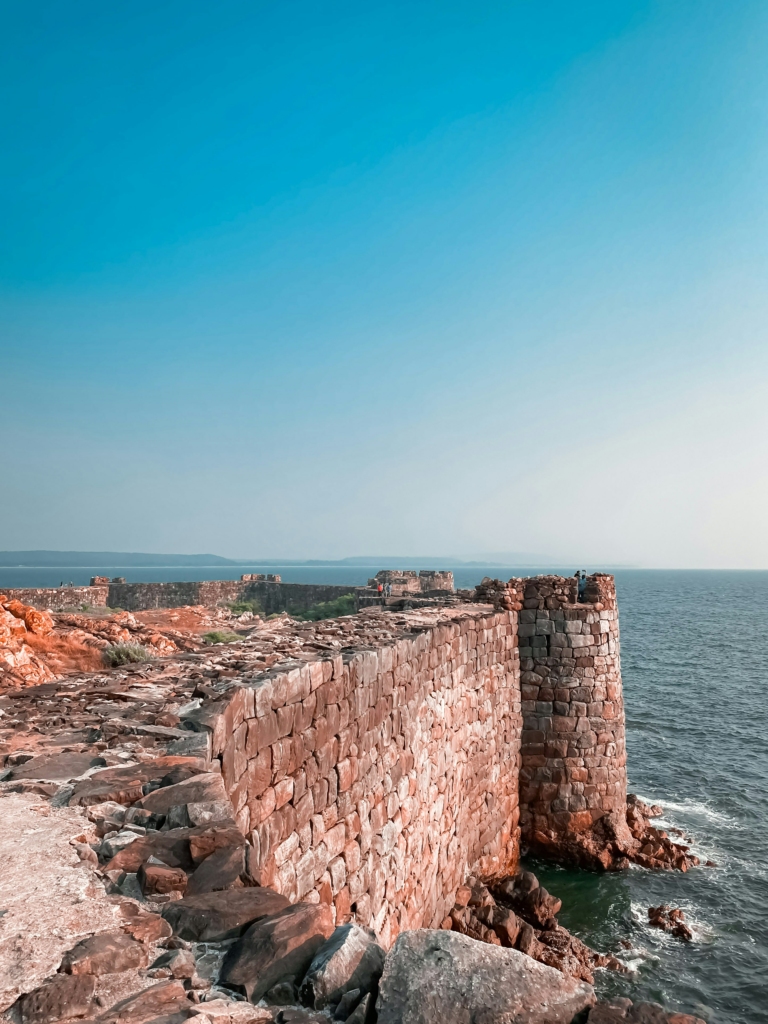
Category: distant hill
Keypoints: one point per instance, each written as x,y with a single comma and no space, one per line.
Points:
103,559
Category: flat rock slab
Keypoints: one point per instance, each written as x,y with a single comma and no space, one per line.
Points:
158,1001
441,977
50,897
277,949
214,916
200,789
57,767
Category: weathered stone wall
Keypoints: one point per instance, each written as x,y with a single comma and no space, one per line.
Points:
380,778
58,598
136,597
573,747
273,597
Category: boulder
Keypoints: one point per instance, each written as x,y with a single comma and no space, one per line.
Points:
174,963
104,953
59,998
123,784
160,879
178,848
277,948
150,1005
442,977
350,959
148,928
214,916
198,789
222,870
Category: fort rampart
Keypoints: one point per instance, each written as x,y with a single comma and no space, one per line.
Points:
380,778
136,597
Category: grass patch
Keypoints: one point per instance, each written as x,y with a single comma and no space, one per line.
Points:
238,607
124,654
221,636
344,605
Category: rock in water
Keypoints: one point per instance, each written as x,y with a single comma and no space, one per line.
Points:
441,977
350,959
276,949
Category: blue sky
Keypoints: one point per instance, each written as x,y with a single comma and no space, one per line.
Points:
313,280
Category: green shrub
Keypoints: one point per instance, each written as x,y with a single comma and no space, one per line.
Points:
124,654
221,636
238,607
344,605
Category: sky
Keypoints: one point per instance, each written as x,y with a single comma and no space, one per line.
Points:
311,280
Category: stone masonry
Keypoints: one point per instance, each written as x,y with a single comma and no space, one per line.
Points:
379,778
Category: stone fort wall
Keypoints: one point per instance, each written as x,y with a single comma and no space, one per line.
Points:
377,780
135,597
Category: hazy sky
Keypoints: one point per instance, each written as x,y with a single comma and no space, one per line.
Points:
320,279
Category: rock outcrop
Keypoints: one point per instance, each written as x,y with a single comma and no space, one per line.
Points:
440,977
520,914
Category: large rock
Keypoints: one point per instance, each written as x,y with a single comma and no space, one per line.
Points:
159,1002
178,848
222,870
123,785
441,977
57,767
60,998
221,915
105,953
276,949
204,796
350,959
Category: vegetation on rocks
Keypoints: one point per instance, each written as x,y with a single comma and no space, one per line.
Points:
329,609
124,654
238,607
221,636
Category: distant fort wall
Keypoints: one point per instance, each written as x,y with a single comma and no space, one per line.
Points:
270,592
134,597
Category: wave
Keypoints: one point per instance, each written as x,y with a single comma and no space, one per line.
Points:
696,808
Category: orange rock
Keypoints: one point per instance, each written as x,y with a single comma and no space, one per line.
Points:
11,628
17,608
38,622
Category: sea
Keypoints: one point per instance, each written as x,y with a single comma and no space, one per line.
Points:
695,671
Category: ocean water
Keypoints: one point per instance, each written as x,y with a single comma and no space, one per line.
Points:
695,670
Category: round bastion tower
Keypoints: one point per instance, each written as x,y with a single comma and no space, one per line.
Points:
573,781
